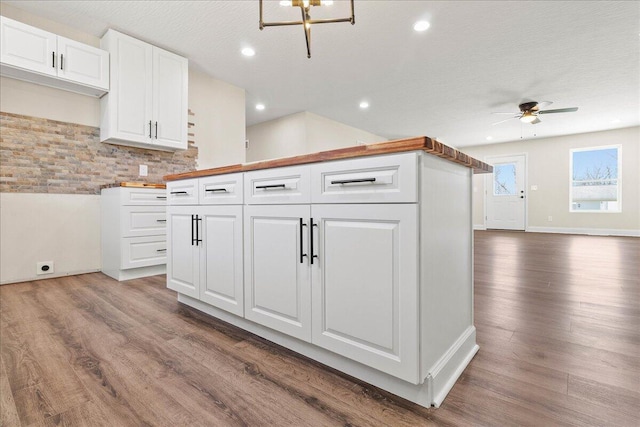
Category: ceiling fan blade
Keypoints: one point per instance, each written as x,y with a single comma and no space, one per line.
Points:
537,120
559,110
506,120
502,112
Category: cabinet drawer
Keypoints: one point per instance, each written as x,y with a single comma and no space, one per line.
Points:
142,196
383,179
143,220
143,251
183,192
277,186
221,190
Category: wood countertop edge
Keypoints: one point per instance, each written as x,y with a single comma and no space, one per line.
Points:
422,143
135,185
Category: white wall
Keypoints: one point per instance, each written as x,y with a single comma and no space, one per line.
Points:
548,168
219,110
63,228
66,228
302,133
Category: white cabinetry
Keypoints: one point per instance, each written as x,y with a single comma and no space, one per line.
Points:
277,285
147,105
363,264
205,242
38,56
133,232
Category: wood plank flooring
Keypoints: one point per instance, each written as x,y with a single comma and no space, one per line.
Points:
558,321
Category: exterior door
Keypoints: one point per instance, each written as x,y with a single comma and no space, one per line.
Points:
221,257
365,285
506,192
277,284
183,262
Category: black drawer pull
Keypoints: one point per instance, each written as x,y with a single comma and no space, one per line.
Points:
161,220
161,250
351,181
161,197
264,187
179,192
302,254
213,190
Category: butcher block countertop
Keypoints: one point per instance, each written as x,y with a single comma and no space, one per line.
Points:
421,143
134,185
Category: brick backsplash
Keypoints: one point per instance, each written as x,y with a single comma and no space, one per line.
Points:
47,156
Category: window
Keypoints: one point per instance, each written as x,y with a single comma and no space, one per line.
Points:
504,179
596,179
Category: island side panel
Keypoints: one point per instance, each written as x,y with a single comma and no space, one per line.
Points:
446,272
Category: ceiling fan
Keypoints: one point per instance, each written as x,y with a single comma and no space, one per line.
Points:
529,112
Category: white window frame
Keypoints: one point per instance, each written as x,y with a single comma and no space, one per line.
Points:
619,185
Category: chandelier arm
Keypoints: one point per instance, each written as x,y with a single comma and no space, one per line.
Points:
307,31
281,23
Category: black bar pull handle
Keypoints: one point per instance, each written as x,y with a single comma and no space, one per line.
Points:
61,61
178,192
53,59
161,197
264,187
161,220
311,240
156,130
149,129
351,181
302,254
193,218
198,239
161,250
213,190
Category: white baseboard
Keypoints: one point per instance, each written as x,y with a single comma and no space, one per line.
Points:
48,276
587,231
479,227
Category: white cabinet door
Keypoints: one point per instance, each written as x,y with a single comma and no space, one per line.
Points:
183,261
82,63
27,47
128,104
365,285
170,91
221,257
277,292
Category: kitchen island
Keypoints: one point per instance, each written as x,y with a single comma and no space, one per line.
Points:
360,258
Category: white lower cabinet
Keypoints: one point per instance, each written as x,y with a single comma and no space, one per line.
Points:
364,264
205,254
277,276
365,285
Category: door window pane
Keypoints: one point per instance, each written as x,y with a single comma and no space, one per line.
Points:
504,179
595,180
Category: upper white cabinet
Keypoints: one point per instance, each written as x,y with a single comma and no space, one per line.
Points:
31,54
147,104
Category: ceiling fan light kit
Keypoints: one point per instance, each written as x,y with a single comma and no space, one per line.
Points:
306,22
529,112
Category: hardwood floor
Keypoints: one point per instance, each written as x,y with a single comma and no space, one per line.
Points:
558,321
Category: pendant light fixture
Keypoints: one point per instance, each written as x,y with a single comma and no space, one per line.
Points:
306,22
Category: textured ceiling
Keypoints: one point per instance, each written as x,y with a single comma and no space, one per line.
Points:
477,57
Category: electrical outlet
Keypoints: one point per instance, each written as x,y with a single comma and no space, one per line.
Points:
550,218
44,267
143,170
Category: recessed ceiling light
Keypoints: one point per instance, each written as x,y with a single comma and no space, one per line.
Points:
247,51
489,138
421,26
364,105
260,107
